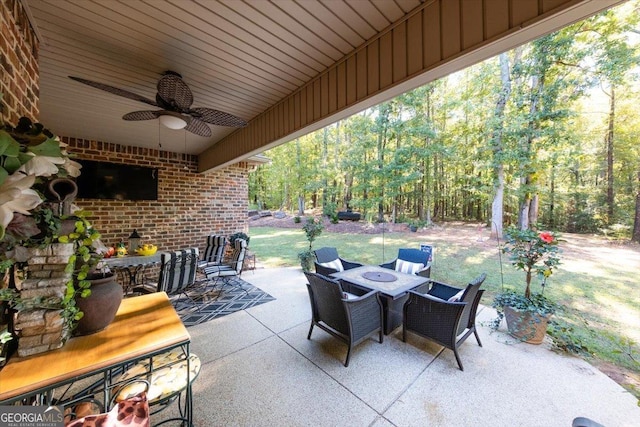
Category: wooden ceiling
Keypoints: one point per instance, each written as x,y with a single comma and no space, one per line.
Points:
241,57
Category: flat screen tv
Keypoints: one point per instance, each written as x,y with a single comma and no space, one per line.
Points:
114,181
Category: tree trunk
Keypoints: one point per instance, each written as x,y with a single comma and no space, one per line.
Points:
497,205
552,193
497,212
609,139
325,154
382,139
533,210
523,214
527,208
635,236
301,195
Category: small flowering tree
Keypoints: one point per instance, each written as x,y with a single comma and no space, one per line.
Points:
533,252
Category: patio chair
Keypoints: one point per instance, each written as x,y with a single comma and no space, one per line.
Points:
328,261
411,261
177,274
350,317
214,252
444,314
225,272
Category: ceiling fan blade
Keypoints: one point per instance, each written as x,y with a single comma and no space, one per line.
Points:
175,92
199,128
115,90
216,117
142,115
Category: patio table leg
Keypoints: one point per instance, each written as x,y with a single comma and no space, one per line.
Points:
392,312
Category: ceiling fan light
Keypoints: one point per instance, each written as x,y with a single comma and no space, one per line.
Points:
172,122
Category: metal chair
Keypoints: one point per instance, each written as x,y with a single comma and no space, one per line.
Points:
444,314
177,274
349,317
227,271
214,252
328,261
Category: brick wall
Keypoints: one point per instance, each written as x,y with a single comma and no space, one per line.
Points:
190,205
19,72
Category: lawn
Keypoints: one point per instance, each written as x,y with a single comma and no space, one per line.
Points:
597,282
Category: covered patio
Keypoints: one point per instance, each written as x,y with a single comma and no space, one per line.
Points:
259,369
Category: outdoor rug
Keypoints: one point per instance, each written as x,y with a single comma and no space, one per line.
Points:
214,304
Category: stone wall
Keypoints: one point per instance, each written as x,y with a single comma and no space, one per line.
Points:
19,71
190,205
44,277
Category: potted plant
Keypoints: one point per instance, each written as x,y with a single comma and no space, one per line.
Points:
527,314
238,235
312,229
97,293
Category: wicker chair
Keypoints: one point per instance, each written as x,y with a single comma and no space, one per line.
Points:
328,262
444,314
412,261
349,317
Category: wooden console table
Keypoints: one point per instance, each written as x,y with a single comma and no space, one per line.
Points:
144,326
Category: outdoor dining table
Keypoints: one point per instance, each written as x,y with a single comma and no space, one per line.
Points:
392,285
130,269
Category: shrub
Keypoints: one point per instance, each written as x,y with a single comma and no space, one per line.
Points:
238,235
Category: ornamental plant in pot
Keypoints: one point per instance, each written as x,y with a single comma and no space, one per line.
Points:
527,314
97,293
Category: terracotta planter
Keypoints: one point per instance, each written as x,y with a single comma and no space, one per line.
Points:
527,326
100,307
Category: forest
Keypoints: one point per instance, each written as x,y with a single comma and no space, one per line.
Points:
547,133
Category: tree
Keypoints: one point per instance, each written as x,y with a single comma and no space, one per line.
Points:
614,57
497,130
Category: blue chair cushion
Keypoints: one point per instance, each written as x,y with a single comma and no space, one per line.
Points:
414,255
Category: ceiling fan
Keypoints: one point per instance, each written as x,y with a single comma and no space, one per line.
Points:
174,98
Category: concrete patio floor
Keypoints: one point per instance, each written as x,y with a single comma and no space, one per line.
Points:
259,369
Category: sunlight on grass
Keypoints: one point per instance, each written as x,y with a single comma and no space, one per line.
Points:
276,234
622,314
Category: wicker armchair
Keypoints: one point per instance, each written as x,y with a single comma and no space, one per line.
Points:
445,314
412,261
328,262
349,317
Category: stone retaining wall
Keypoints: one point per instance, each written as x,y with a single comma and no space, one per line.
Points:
44,277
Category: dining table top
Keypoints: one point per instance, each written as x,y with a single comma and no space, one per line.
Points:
389,282
133,260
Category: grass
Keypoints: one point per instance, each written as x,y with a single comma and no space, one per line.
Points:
597,283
